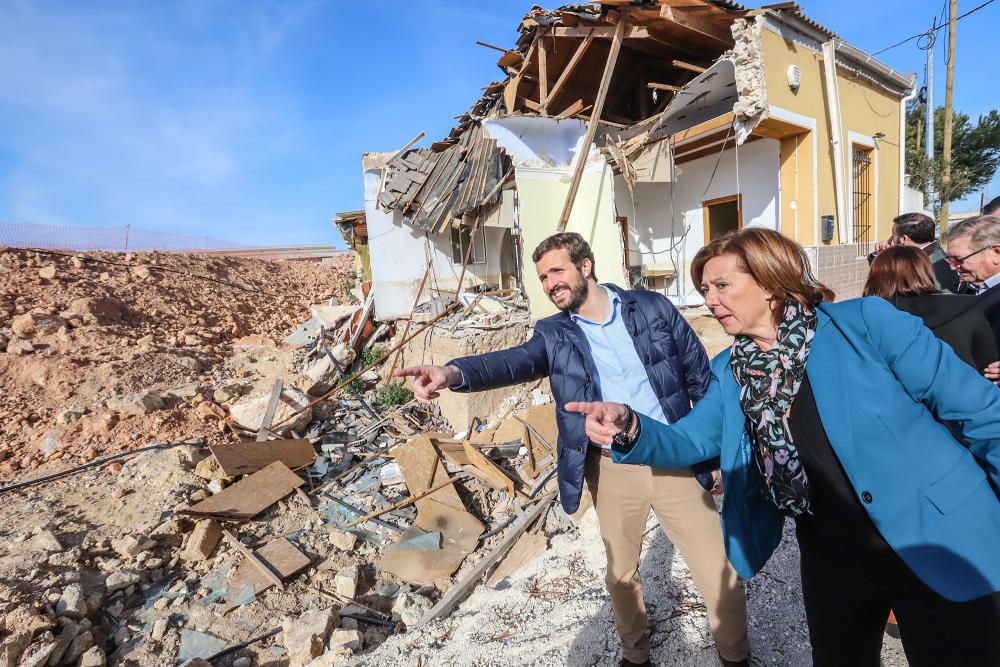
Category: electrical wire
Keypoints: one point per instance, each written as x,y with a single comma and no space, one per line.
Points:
934,29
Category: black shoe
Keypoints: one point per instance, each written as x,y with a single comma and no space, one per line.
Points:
745,662
628,663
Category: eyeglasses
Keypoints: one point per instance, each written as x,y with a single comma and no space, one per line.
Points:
958,261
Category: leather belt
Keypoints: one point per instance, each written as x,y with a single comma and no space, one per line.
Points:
606,453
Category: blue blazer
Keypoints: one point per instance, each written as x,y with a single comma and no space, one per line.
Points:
667,346
916,429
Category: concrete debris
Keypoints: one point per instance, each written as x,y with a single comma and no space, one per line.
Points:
346,581
135,572
72,603
305,636
93,658
248,414
141,403
47,541
342,540
32,325
202,540
121,579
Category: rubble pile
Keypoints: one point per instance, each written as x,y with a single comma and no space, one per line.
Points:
297,508
103,352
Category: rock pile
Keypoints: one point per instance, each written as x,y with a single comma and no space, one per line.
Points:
104,352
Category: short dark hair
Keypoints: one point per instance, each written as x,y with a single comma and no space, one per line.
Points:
900,271
992,207
577,247
917,226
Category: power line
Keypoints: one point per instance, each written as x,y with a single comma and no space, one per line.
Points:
934,29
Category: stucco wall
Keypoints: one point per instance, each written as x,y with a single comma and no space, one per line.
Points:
866,110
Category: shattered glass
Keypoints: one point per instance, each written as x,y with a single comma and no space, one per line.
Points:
198,645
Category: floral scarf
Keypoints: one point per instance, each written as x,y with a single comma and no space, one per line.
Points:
768,384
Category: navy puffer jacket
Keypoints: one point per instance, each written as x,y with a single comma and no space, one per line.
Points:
674,358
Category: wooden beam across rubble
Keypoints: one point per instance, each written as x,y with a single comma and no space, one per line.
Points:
595,118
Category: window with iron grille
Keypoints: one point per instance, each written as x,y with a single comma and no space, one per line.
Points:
862,174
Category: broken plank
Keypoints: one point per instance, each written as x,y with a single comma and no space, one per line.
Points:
459,590
272,407
279,555
251,495
249,457
664,86
496,478
524,551
571,110
568,69
595,116
680,64
253,560
403,503
603,32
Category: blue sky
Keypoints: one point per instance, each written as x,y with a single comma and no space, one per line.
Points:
245,121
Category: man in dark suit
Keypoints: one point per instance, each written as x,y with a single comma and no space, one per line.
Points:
974,252
917,229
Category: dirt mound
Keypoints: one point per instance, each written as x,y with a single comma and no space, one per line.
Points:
106,352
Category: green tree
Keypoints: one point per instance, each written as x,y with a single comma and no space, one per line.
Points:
975,152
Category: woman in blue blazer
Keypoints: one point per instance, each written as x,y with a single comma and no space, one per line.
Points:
853,419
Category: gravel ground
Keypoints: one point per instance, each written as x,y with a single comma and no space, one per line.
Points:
556,612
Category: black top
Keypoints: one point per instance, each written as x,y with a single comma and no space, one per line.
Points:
958,320
838,521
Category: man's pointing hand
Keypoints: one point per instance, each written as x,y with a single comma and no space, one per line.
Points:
427,379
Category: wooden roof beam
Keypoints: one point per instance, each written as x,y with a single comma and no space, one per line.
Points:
680,64
603,32
568,69
698,25
602,93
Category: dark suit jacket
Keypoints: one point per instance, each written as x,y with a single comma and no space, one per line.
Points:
989,303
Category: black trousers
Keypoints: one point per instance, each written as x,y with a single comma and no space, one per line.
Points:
848,597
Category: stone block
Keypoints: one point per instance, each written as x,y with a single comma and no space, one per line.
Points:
202,541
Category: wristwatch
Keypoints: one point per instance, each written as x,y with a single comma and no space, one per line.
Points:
625,440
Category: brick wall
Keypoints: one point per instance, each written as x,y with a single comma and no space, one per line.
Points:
839,268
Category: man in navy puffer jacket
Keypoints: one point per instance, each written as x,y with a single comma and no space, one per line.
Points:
585,350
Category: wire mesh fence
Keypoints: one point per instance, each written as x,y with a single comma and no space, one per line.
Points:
107,239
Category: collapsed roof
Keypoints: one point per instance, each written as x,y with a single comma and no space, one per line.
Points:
653,68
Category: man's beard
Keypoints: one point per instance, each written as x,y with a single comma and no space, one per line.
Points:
577,295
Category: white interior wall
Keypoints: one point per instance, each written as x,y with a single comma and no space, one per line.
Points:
659,213
399,256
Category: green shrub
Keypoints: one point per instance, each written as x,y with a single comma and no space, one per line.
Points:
392,394
371,354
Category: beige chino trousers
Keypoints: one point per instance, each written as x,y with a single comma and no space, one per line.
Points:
623,495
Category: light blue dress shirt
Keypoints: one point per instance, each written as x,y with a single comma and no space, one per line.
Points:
620,373
992,281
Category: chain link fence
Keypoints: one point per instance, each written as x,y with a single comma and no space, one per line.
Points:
107,239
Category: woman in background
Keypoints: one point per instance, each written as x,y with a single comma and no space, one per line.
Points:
855,421
903,276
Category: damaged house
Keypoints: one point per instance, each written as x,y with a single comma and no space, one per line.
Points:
650,127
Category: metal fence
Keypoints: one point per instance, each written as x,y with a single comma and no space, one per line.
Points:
108,239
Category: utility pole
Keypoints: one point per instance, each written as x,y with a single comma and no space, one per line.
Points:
949,112
929,112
